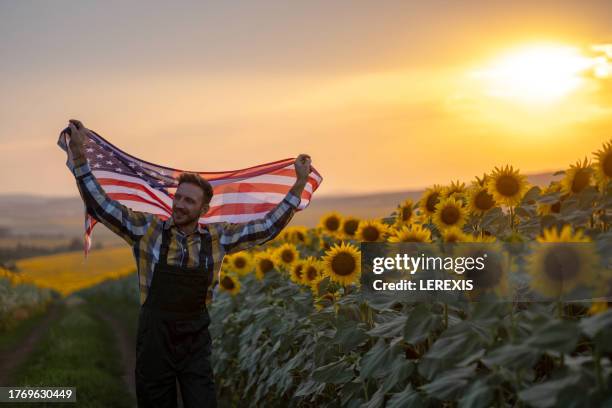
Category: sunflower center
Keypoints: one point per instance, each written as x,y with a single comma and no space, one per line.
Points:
228,283
350,227
240,262
556,207
431,202
406,213
332,223
507,186
343,264
561,263
483,200
581,180
450,215
311,273
266,265
300,237
287,256
298,271
487,278
451,238
371,233
607,165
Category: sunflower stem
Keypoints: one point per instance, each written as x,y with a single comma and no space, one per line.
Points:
445,315
598,371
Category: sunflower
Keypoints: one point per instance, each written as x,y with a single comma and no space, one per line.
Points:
603,164
264,263
563,260
479,200
493,278
349,226
482,238
286,255
454,234
330,223
312,271
241,263
325,300
430,198
405,213
578,177
229,283
371,231
507,186
554,208
412,233
449,213
297,235
342,263
456,189
297,270
598,307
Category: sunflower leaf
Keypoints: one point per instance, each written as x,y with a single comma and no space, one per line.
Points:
376,362
591,326
390,328
512,356
556,335
407,398
420,323
337,372
449,384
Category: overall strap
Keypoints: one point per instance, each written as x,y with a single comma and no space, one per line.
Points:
206,261
165,244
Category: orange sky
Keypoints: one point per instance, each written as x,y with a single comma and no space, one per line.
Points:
385,96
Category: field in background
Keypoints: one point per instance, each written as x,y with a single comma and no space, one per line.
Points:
69,272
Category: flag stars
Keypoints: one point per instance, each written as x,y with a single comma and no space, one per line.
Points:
118,169
100,156
109,162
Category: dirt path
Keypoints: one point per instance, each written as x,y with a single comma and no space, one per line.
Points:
125,346
13,358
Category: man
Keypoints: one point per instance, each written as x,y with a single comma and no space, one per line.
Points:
176,261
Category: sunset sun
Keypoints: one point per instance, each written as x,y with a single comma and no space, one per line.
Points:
535,74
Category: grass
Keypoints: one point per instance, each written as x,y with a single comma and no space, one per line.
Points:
11,338
78,351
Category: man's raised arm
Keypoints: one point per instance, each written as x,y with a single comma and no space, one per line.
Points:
236,237
128,224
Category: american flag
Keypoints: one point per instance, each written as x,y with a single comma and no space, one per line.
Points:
239,195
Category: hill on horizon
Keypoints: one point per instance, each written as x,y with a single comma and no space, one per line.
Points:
28,218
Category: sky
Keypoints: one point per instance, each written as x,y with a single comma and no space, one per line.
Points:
384,96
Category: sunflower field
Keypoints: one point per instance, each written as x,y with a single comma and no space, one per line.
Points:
20,299
292,327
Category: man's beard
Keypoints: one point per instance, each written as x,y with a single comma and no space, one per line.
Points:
185,218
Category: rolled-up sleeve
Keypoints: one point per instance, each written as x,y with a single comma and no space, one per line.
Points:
235,237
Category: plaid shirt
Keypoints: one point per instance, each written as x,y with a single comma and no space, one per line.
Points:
143,231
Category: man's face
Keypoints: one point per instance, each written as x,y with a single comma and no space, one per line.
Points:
187,204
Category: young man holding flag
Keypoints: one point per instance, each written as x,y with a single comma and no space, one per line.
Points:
178,260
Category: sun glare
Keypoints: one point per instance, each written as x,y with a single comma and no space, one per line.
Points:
535,74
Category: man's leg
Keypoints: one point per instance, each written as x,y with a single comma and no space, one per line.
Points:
155,377
159,393
197,379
